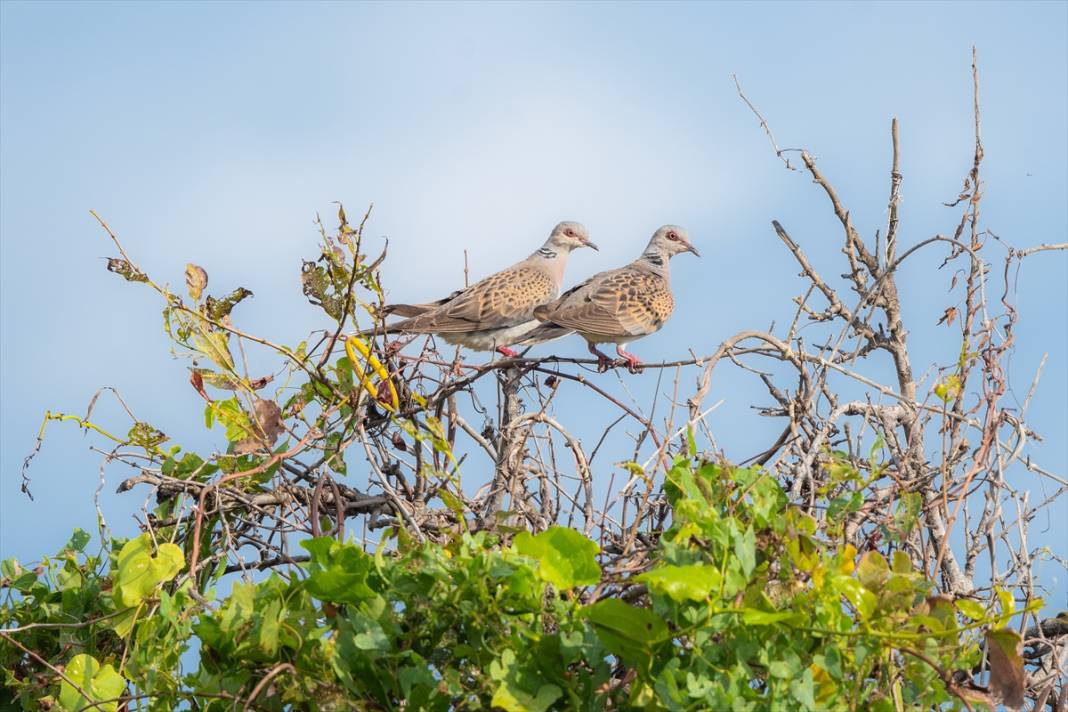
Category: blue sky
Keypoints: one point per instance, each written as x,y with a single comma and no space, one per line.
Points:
213,133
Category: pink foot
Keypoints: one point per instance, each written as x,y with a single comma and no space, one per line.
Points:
633,364
603,362
507,352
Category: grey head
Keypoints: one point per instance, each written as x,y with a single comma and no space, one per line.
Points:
568,235
669,241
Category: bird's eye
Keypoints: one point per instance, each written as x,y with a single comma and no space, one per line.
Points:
673,236
570,233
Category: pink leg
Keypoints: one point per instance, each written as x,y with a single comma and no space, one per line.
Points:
507,352
632,361
603,361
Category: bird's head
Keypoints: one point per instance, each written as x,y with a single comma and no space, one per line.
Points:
670,240
570,235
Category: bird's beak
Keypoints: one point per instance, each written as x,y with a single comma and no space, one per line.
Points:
691,248
587,243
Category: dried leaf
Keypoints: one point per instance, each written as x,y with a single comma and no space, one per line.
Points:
259,383
267,426
198,383
196,280
126,270
1006,666
948,316
218,309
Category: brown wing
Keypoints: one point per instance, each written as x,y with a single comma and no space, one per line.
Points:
625,302
503,299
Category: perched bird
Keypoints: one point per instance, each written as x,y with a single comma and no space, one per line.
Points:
620,305
497,311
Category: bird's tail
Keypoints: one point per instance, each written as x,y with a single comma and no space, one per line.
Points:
543,333
406,310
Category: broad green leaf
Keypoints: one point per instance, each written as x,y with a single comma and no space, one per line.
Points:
694,582
138,573
367,633
873,571
98,682
1008,606
752,616
270,626
974,610
510,697
78,540
745,550
233,417
861,598
338,572
625,630
902,563
565,558
802,690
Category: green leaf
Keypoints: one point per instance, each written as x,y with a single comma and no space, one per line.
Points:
270,626
338,572
694,582
138,573
752,616
861,598
233,417
565,558
99,683
974,610
520,690
873,571
625,630
214,346
802,690
78,540
745,550
367,633
1008,606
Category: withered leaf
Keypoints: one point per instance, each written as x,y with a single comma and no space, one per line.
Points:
145,435
198,384
260,382
126,270
196,279
218,309
1003,648
948,316
267,426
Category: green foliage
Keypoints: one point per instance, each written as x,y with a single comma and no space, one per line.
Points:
744,602
748,608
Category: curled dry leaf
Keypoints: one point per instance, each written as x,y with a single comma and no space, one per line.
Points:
267,425
948,316
198,384
196,280
259,383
